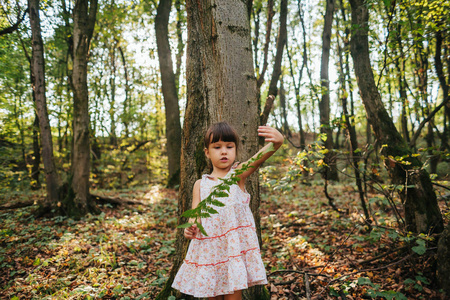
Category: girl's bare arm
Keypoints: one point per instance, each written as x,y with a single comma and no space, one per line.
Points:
192,231
275,140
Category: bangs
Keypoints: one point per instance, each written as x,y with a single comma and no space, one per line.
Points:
221,131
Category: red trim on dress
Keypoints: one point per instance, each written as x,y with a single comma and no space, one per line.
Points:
220,262
218,236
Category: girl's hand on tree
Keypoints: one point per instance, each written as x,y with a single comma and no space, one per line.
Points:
191,232
271,135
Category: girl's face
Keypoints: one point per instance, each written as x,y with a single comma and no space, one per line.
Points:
222,154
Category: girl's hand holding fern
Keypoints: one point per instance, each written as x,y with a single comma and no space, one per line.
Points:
191,232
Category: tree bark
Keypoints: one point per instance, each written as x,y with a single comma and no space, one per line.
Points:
422,212
443,259
180,46
38,69
356,156
444,83
281,41
400,63
170,92
112,98
84,15
330,172
221,85
127,100
35,172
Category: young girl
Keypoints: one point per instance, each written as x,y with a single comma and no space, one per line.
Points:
228,260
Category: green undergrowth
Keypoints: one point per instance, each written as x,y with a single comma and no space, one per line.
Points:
125,252
121,253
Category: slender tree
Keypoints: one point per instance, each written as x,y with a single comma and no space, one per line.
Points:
330,172
169,90
52,179
422,212
276,73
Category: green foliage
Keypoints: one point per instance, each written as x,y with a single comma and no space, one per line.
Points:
418,282
373,290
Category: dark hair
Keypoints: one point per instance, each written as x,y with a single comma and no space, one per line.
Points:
221,131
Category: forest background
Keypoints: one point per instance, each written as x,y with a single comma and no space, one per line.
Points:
94,111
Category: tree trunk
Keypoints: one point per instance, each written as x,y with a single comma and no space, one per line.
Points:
35,172
330,172
220,86
443,259
400,63
422,212
281,41
38,68
444,83
284,108
84,14
180,46
112,98
170,92
356,156
126,102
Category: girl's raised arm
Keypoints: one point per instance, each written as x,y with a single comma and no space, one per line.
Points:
275,140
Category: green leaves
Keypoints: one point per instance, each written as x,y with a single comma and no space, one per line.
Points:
420,248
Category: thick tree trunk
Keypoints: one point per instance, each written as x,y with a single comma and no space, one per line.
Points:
169,90
220,86
422,212
330,172
84,20
38,68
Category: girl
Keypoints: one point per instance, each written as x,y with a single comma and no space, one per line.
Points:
228,260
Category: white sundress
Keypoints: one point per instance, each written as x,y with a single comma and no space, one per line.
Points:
229,258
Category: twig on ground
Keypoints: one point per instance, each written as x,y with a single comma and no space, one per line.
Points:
116,201
17,205
361,262
366,270
298,272
308,290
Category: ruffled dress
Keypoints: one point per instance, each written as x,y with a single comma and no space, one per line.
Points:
229,258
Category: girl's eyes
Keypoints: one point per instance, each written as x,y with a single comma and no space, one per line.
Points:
218,147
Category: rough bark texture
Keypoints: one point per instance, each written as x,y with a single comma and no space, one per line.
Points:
422,212
83,26
443,259
330,172
38,68
169,90
220,86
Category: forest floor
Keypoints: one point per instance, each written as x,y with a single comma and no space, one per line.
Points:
125,252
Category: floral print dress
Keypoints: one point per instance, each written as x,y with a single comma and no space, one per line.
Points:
229,258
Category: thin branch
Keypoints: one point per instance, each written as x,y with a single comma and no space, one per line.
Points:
14,26
426,120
